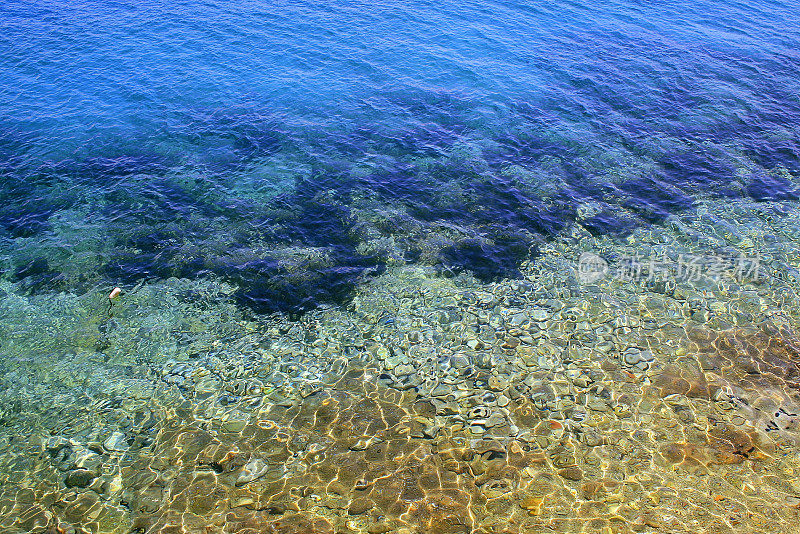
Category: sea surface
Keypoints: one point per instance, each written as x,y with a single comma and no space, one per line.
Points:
399,266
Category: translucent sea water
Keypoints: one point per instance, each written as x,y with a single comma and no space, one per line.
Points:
417,267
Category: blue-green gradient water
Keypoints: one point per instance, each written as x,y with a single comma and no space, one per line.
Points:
295,148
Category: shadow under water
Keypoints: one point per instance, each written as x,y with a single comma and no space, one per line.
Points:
436,193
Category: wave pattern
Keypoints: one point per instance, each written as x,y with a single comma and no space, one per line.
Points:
297,148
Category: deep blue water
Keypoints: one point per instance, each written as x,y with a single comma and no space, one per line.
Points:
294,148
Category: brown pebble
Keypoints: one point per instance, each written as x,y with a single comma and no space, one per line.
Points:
571,473
359,506
79,478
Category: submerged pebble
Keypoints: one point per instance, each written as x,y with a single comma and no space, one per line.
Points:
116,442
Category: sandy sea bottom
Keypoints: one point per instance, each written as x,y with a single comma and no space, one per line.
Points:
657,395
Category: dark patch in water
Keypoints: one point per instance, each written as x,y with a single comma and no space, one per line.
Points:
317,218
21,224
606,223
582,186
172,200
307,247
771,152
32,195
654,200
764,187
271,285
226,141
129,268
36,275
149,241
418,140
697,168
100,171
528,148
497,221
121,166
312,236
156,202
488,261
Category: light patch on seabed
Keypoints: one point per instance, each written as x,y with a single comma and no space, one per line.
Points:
428,403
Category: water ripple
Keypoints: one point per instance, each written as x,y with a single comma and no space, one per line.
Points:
297,147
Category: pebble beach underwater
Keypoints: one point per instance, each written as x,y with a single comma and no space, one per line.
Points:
452,267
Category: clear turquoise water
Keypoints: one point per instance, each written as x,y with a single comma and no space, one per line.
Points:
372,170
146,140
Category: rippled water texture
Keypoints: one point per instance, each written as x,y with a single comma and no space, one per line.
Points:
392,267
295,148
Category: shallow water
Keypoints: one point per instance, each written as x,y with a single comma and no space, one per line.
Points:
418,267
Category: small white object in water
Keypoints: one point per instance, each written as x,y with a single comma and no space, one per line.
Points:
115,293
